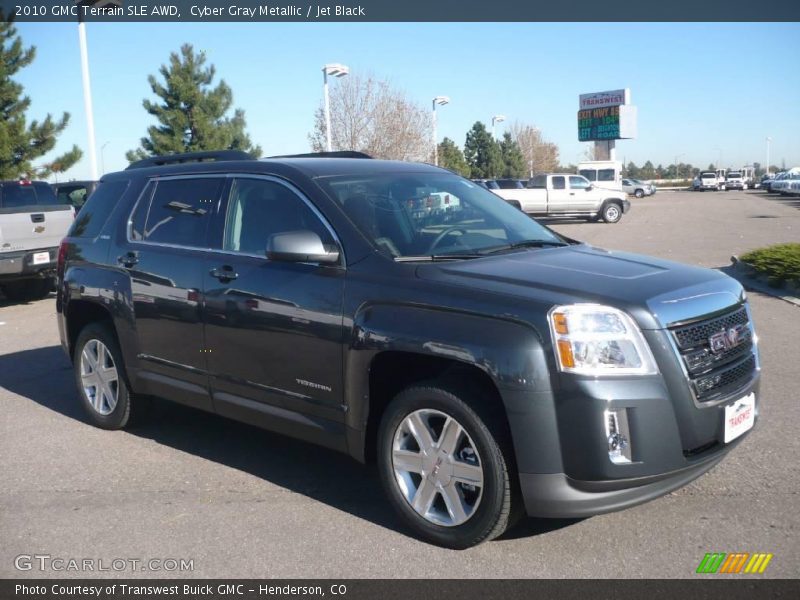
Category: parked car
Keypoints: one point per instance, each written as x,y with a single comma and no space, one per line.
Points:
32,223
490,366
566,195
735,181
783,185
776,177
511,184
637,188
707,180
489,184
74,192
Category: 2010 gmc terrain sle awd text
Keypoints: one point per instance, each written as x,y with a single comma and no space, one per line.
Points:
399,313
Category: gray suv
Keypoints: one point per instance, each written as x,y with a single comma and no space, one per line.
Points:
489,366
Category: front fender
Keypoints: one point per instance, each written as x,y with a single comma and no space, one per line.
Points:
511,353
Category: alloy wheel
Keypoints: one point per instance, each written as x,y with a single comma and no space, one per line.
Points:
99,377
437,467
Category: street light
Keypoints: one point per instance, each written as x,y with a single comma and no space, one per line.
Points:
87,94
438,101
102,158
497,119
334,70
677,169
769,139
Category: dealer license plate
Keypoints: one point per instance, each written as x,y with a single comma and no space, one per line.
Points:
739,417
41,258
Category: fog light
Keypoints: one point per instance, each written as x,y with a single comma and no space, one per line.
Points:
618,436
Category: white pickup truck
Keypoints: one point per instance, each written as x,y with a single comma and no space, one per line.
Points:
32,223
566,195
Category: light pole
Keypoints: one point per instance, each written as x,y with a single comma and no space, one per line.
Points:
87,96
719,158
769,139
677,169
496,119
438,101
334,70
102,158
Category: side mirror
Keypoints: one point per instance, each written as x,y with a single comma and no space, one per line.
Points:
300,246
589,188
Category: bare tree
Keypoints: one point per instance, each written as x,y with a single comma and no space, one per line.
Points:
540,155
368,115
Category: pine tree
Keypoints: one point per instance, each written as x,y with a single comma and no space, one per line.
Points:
20,143
482,153
511,155
451,157
191,113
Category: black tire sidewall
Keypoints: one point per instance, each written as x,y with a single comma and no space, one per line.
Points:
639,193
119,417
486,517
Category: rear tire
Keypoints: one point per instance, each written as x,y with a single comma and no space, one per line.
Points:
425,467
28,289
102,380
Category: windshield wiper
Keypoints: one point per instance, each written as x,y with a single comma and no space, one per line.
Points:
526,244
435,257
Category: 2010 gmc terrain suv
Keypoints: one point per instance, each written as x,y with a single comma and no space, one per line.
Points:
489,365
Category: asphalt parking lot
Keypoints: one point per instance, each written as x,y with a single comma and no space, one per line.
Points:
241,502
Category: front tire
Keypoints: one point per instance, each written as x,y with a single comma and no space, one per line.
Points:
612,212
639,193
444,467
102,380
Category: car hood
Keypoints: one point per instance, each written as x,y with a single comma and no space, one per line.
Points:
655,292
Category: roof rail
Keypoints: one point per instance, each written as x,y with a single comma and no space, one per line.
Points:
334,154
169,159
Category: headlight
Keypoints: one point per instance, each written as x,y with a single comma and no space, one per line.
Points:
592,339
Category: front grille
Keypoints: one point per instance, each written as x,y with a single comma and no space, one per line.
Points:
718,354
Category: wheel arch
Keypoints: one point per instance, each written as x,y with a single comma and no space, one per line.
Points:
396,346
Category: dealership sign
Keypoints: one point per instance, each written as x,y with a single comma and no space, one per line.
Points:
605,116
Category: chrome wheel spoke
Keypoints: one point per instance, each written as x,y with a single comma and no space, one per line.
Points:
467,473
454,502
451,433
421,432
424,496
407,461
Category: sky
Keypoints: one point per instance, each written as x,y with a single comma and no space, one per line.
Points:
706,93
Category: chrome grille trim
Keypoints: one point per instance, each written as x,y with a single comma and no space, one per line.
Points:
714,376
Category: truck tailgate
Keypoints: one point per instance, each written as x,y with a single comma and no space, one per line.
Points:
34,228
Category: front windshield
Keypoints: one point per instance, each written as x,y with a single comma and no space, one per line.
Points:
431,213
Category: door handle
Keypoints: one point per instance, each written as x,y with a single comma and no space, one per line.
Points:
224,273
128,259
572,193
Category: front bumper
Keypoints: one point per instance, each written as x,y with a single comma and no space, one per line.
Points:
673,440
554,495
20,265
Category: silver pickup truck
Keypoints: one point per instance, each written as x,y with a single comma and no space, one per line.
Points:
32,224
566,195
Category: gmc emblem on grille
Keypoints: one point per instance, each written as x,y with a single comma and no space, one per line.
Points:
727,339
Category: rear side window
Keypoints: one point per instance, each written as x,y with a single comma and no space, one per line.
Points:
16,195
559,183
606,175
178,212
90,221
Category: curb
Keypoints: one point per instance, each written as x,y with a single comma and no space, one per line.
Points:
789,291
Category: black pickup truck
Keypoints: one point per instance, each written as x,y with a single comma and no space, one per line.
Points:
490,366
